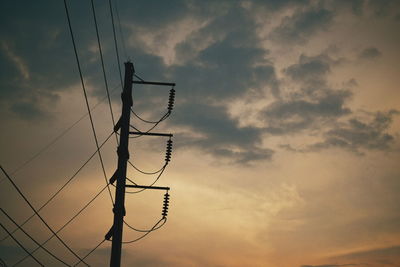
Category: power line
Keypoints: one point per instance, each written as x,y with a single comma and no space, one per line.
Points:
91,251
37,214
147,230
37,243
163,220
53,141
19,244
147,173
62,187
115,42
155,181
149,121
120,29
102,65
85,95
147,131
67,223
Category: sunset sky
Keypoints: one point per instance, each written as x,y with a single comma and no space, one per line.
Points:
286,130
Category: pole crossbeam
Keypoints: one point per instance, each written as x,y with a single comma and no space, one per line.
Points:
148,187
154,83
151,134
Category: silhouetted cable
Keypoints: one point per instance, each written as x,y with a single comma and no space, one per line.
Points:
138,77
86,98
155,227
131,181
147,131
67,223
90,252
147,173
149,121
147,230
102,66
120,29
52,142
155,181
37,214
62,187
28,235
115,43
19,244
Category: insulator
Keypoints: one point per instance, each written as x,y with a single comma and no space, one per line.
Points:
168,151
165,206
171,100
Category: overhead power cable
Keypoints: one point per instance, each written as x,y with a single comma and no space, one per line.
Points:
86,98
102,66
19,244
115,42
155,181
90,252
149,121
67,223
144,230
38,215
147,173
30,237
155,227
120,29
147,131
53,141
62,187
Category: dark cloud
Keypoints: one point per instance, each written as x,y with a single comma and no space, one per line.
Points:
312,104
302,25
39,56
355,134
309,68
232,63
383,8
294,115
370,53
220,135
226,69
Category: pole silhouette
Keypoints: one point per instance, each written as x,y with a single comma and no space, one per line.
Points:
120,174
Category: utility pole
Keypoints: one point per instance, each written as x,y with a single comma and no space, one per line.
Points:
120,174
123,125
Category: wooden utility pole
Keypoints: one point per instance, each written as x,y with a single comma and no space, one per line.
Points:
120,174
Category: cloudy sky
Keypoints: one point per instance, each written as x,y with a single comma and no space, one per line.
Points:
286,130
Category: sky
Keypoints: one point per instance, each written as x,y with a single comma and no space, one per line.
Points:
286,130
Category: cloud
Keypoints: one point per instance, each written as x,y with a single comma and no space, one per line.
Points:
220,135
294,115
299,27
356,134
370,53
309,68
310,103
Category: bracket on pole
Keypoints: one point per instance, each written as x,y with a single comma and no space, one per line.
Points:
154,83
152,134
148,187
